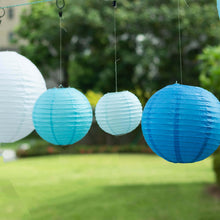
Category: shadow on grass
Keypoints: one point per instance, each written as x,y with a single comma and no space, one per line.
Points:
133,202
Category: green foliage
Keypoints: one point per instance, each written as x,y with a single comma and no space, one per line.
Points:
210,69
147,42
216,166
210,79
105,187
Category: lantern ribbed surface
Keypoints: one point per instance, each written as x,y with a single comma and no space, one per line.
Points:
62,116
118,113
21,84
182,123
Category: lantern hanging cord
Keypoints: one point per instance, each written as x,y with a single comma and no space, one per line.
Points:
29,3
180,44
115,42
60,49
60,7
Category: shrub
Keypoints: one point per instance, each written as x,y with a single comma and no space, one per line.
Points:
40,148
216,166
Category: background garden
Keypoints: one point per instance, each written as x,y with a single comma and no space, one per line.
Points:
106,177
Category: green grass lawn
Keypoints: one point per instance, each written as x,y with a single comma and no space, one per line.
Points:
106,187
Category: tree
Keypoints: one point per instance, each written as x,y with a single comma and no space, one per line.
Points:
147,42
210,79
210,69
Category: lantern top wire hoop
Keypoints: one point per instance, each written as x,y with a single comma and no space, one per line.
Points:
60,4
2,14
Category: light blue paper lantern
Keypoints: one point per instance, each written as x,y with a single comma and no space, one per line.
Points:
218,7
118,113
62,116
182,123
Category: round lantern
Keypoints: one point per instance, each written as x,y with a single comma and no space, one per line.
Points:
182,123
218,7
118,113
21,84
62,116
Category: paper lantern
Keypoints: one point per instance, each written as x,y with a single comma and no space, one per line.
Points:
118,113
62,116
21,84
218,7
182,123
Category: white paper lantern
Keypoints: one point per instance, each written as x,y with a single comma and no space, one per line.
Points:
21,84
118,113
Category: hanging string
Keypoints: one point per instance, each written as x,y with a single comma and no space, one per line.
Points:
115,42
60,7
180,44
60,49
29,3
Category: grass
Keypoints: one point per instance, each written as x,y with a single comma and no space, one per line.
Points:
106,187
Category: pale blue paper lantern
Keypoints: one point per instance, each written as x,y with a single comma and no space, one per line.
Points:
182,123
218,7
62,116
118,113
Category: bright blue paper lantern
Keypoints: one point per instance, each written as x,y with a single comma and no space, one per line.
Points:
62,116
182,123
